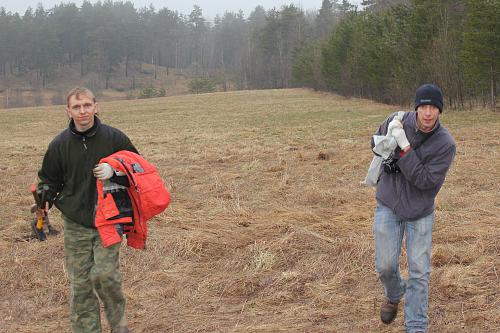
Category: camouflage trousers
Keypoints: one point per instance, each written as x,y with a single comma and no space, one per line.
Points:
94,275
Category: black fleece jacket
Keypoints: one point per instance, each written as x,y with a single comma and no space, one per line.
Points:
68,163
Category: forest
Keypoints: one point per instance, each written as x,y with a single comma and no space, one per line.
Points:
379,50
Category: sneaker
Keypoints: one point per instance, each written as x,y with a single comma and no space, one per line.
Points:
388,311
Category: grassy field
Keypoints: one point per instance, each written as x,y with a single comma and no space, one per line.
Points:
269,229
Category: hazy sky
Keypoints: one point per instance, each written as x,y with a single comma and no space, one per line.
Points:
210,7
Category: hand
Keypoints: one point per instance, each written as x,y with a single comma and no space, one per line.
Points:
46,204
400,136
46,197
103,171
395,123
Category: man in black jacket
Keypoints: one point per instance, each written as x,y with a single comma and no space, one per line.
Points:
70,168
405,197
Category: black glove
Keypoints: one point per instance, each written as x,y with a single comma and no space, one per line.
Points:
46,197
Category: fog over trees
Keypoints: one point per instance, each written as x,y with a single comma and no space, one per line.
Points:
381,50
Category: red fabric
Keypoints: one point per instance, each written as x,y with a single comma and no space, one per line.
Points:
403,153
109,235
148,195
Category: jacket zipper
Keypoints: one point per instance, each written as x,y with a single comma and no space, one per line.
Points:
136,189
400,183
84,144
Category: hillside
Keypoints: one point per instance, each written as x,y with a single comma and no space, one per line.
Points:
269,230
25,90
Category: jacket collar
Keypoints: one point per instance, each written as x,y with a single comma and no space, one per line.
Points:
88,133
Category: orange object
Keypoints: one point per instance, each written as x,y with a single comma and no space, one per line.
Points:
148,195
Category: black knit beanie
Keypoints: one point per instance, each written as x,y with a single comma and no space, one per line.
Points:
429,94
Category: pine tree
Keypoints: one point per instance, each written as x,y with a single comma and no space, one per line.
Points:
481,51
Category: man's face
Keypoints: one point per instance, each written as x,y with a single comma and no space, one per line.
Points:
82,111
427,115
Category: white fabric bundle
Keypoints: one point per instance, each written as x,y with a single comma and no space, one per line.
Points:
384,146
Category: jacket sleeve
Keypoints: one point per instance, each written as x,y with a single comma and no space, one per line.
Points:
51,173
124,143
120,180
432,173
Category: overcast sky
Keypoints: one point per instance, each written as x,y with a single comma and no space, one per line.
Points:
210,7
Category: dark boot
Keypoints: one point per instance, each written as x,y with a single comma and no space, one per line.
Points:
388,311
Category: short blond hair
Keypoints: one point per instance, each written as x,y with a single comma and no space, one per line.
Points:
77,91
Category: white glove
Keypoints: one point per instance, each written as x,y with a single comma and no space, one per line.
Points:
103,171
400,136
395,123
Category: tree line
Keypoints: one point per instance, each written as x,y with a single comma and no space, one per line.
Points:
385,51
113,36
382,50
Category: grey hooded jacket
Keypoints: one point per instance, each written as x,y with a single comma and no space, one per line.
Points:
411,192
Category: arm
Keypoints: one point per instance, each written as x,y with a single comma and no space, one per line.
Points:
50,175
123,180
120,180
130,147
429,175
104,171
124,143
383,128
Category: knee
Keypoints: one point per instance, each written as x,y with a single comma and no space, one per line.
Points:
419,271
386,268
419,268
104,277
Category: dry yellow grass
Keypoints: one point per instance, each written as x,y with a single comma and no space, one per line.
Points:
269,229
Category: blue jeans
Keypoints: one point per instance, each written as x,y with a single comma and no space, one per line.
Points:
389,230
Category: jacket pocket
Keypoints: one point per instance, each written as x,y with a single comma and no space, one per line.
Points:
108,207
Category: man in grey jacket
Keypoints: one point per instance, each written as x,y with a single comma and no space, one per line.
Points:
406,189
